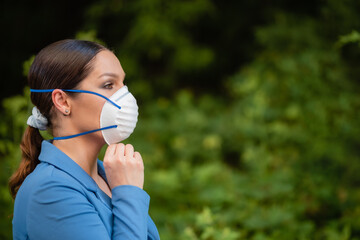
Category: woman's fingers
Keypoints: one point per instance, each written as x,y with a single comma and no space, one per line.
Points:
129,151
139,160
137,156
123,166
110,153
120,149
111,149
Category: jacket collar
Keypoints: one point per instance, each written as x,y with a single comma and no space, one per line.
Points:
54,156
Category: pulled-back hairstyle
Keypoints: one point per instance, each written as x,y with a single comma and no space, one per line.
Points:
60,65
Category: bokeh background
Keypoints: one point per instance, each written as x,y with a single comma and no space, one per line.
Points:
249,110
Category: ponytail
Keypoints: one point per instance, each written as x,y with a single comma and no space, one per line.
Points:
30,147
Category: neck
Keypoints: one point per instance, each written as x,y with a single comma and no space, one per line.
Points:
84,150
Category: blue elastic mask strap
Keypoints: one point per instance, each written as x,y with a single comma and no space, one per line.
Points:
83,133
75,90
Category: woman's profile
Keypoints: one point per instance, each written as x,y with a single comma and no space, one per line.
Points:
61,189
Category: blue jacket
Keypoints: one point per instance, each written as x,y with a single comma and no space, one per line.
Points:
59,200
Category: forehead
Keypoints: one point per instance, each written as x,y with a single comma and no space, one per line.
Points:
106,62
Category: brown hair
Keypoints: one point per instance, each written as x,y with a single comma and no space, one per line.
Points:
60,65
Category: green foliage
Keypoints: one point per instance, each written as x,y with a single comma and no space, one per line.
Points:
155,34
205,228
27,65
353,37
274,154
89,36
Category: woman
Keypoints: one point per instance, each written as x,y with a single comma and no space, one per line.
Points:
61,190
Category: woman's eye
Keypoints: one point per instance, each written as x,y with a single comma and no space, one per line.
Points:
108,86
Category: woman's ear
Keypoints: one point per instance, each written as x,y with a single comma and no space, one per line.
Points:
61,101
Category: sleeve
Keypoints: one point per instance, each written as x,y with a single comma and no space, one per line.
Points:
130,209
61,211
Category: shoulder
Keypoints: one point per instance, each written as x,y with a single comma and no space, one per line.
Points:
46,179
56,200
49,191
43,192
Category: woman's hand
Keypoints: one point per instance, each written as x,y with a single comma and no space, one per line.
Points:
123,166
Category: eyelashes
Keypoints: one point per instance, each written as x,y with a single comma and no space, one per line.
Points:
111,83
108,85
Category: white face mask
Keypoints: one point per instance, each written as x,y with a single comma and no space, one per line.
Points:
125,118
118,116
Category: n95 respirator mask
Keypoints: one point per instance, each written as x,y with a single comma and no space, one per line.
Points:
124,118
118,116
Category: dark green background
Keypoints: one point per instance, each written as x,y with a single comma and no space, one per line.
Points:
249,121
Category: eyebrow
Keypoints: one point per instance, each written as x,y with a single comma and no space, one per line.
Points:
111,75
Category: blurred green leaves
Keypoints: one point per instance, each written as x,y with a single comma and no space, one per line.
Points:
353,37
272,154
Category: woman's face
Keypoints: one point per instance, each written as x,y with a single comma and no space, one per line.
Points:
106,78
